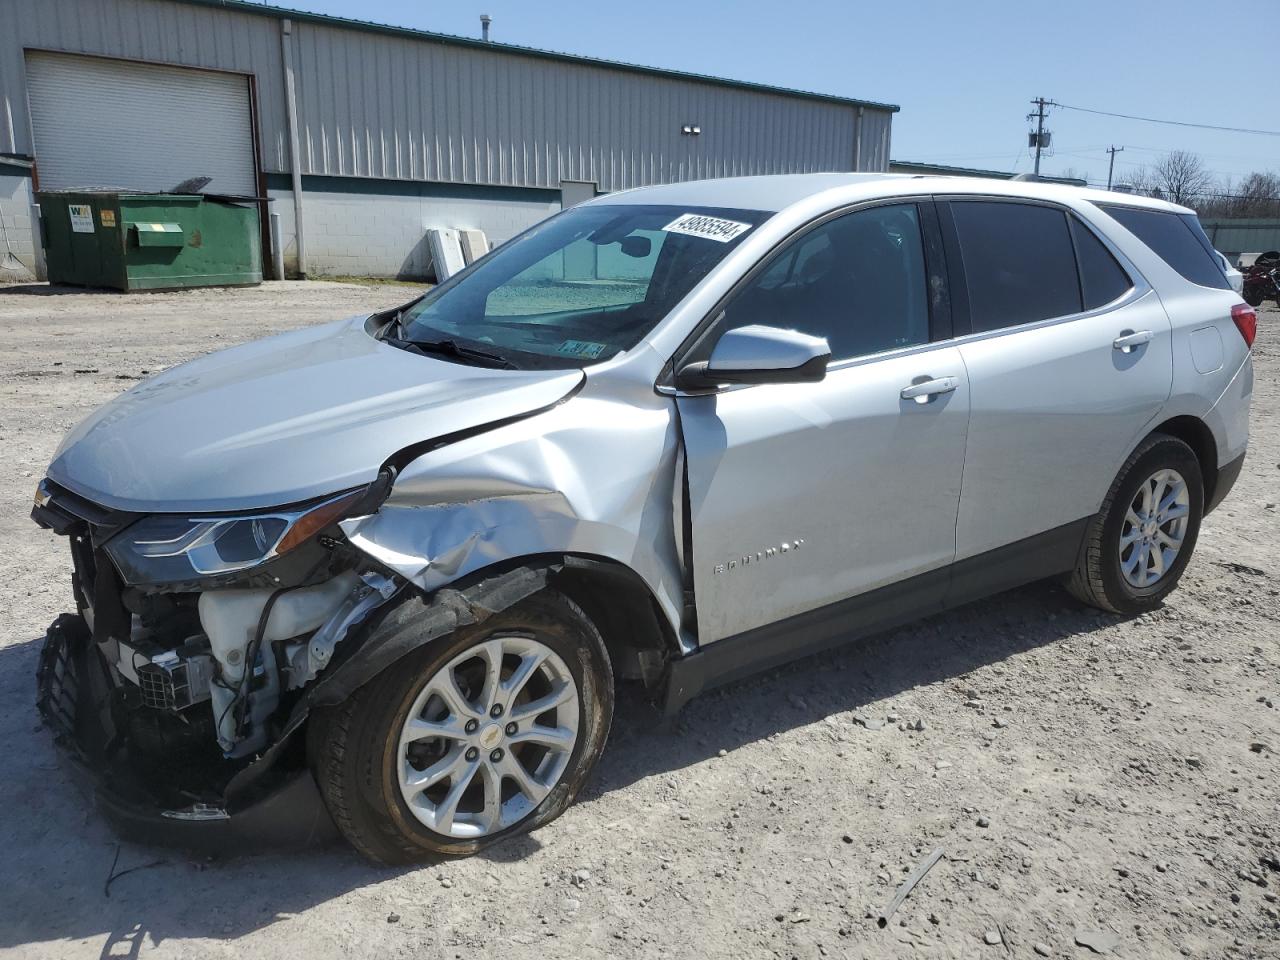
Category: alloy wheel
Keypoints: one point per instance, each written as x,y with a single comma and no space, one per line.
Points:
1154,528
488,737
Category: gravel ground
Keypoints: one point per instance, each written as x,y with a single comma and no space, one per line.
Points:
1090,779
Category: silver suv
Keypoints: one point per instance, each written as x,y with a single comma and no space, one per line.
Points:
674,435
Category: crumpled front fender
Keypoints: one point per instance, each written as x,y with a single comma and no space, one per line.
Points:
593,476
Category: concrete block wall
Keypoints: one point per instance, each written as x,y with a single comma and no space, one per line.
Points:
359,227
16,236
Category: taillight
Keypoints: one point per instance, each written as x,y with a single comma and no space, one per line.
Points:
1246,321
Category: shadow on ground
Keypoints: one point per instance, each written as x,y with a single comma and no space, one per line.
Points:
49,289
58,854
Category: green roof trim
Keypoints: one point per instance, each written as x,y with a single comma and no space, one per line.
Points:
942,169
911,166
304,16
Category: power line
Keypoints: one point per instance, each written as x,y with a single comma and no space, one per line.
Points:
1174,123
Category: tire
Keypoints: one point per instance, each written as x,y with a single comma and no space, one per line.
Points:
1100,578
1253,296
359,759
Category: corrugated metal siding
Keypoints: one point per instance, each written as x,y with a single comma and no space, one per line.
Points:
1235,236
379,105
397,108
113,123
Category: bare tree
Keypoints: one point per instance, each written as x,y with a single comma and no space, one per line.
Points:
1139,179
1181,177
1070,173
1257,195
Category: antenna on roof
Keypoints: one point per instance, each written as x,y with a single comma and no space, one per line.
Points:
485,20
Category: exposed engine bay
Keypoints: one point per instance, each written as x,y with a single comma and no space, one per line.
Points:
185,704
191,686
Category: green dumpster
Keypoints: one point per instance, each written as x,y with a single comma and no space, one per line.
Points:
150,241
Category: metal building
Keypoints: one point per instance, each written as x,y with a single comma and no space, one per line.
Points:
1236,237
374,133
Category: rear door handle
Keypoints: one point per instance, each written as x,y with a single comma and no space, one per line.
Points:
921,392
1126,342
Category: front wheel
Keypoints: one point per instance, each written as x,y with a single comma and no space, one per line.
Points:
1138,544
1253,296
486,733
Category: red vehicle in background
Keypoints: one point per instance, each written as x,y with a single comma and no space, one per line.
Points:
1262,280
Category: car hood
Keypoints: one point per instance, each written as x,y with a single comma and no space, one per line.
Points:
282,420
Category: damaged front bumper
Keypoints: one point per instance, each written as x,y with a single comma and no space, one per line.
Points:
184,703
178,797
158,782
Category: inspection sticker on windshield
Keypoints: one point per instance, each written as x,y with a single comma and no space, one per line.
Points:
709,228
586,349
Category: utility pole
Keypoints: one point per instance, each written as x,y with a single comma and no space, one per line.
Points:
1111,167
1040,139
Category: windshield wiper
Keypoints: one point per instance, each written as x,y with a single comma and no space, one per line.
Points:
450,348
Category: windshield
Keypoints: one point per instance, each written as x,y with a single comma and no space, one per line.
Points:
577,289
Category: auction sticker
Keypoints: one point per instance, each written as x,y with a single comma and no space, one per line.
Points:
81,217
709,228
587,349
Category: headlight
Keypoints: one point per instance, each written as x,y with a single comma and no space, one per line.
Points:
169,548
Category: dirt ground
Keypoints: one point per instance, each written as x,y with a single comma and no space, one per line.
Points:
1089,778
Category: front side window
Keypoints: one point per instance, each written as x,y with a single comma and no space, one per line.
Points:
1176,239
578,289
857,280
1019,264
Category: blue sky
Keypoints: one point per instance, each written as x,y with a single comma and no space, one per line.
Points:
963,72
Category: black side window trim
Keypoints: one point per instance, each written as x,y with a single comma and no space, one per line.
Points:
941,309
941,305
961,318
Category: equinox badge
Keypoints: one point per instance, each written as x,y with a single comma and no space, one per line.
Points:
760,555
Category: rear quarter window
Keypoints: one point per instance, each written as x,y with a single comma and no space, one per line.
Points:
1102,279
1178,243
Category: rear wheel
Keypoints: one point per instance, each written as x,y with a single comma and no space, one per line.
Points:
487,733
1138,544
1253,296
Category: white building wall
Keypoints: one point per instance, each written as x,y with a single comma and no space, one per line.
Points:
384,234
15,223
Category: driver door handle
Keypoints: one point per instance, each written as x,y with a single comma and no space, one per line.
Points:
1128,341
921,392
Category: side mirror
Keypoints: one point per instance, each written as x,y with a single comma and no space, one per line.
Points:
759,354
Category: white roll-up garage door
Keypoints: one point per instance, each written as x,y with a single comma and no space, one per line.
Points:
113,123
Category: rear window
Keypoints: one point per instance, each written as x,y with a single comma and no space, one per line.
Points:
1179,243
1019,263
1102,279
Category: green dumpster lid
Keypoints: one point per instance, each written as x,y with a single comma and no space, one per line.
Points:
175,197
